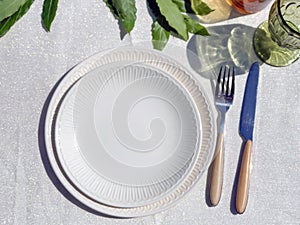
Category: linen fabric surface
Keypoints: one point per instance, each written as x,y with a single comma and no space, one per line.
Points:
33,61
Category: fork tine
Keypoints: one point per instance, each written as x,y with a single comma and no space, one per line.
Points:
223,82
217,91
220,74
227,83
232,83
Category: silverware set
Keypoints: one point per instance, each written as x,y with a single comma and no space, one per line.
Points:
224,95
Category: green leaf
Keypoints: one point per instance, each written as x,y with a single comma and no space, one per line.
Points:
7,23
9,7
180,4
127,12
49,11
194,27
200,8
113,10
160,35
173,16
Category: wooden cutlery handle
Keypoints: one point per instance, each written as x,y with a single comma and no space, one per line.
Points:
244,179
217,171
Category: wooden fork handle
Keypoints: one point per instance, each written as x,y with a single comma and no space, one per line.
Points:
217,171
244,179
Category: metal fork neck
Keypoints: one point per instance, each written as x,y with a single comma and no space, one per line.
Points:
222,119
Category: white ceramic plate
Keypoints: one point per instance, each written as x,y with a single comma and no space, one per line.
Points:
135,132
101,157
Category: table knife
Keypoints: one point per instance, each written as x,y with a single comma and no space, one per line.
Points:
246,131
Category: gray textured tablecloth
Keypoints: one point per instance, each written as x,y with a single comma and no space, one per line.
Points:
32,62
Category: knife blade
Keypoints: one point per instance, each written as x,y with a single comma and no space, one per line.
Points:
246,127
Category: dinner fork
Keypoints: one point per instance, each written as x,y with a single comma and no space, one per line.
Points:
224,94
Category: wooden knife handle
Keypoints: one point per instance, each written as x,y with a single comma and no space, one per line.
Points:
244,179
217,171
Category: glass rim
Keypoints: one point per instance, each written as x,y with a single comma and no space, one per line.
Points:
292,30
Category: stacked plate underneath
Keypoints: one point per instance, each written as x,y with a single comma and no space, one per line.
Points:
129,132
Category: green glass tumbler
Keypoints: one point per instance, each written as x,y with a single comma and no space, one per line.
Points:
277,41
